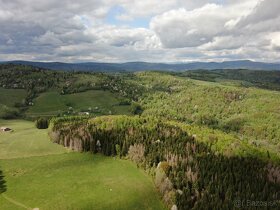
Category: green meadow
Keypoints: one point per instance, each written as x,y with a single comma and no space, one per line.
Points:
40,174
52,103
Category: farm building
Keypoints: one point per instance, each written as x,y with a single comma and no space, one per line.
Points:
5,129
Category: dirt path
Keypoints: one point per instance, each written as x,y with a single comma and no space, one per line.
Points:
16,203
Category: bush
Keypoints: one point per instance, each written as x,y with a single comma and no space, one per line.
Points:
125,102
165,167
136,109
234,124
208,120
118,150
136,153
42,123
8,114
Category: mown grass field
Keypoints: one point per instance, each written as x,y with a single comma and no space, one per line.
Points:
25,141
52,103
40,174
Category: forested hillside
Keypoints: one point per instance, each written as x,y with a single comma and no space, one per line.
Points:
250,113
241,77
207,138
140,66
188,173
33,92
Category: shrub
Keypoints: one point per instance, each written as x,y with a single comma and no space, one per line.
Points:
136,109
42,123
8,114
136,153
164,184
165,167
125,102
118,150
208,120
234,124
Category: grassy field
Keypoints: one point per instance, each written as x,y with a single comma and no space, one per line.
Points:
52,103
40,174
25,141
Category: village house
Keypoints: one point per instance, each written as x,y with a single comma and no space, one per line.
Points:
5,129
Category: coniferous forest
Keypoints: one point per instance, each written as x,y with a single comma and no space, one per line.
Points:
188,173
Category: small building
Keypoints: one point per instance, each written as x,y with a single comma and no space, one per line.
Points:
5,129
84,113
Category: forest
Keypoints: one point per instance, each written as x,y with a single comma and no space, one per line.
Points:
254,78
188,173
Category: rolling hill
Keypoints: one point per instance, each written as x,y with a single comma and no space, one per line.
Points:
193,132
140,66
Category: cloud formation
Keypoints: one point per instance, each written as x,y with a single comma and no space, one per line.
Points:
147,30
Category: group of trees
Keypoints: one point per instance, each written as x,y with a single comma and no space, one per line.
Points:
42,123
9,113
124,85
248,78
189,173
37,80
32,79
83,81
2,183
249,112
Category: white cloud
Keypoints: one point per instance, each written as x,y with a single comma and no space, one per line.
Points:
144,8
264,10
274,40
224,42
180,30
5,15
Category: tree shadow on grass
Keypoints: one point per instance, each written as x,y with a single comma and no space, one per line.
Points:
3,187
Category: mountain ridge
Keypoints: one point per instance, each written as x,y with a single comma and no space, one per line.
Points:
140,66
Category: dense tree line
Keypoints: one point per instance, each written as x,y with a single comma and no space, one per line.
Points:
188,173
125,86
250,78
77,84
2,183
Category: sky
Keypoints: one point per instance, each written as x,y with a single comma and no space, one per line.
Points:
140,30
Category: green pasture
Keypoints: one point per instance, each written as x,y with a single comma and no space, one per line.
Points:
102,102
44,175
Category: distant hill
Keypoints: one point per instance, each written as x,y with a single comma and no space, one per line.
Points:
140,66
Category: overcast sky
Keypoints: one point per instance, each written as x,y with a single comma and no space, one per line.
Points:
140,30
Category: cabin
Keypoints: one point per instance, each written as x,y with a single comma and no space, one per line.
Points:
5,129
